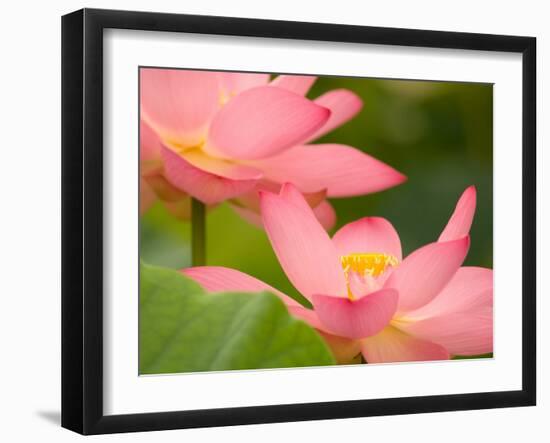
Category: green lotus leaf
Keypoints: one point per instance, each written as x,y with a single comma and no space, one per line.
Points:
185,329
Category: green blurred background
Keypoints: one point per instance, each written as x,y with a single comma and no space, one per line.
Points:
439,134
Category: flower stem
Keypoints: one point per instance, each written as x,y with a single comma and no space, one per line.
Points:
198,232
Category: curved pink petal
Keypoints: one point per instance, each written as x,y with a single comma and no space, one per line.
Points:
219,166
460,318
220,279
460,222
425,272
392,345
368,235
233,83
164,189
326,214
461,333
302,246
146,197
322,210
343,105
470,288
261,122
204,186
342,170
291,194
299,84
178,104
248,205
358,318
252,199
149,143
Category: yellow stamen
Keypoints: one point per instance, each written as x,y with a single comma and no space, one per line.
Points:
371,263
365,264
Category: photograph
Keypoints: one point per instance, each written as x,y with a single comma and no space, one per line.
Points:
272,222
290,220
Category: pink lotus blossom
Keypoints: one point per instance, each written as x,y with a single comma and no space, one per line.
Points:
224,136
366,298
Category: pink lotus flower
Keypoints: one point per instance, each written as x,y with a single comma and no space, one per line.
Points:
366,298
224,136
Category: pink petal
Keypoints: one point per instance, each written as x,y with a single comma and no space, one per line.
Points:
343,105
291,194
425,272
469,289
358,318
460,318
368,235
252,199
233,83
325,214
342,170
204,186
392,345
299,84
149,143
178,104
218,166
164,189
261,122
460,222
146,197
221,279
461,333
302,246
322,210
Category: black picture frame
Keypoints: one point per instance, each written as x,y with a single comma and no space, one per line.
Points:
82,220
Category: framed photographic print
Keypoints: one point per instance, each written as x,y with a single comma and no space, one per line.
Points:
270,221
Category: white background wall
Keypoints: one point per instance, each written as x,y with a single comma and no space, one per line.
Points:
30,218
